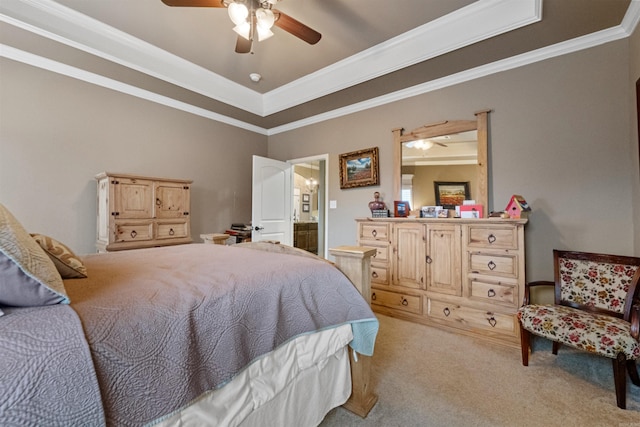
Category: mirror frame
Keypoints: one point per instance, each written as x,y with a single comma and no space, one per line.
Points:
446,128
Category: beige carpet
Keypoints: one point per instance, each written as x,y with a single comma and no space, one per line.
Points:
425,376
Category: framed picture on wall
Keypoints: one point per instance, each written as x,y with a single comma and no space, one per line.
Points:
451,194
305,207
306,197
359,168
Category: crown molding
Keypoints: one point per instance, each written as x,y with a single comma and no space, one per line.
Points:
629,23
54,21
478,21
473,23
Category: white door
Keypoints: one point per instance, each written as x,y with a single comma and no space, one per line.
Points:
271,201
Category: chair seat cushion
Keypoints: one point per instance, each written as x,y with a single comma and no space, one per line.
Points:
596,333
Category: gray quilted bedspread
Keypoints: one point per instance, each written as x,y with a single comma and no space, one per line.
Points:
166,324
46,373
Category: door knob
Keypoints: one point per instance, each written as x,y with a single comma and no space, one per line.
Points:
258,228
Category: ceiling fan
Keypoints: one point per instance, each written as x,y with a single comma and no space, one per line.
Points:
425,144
253,19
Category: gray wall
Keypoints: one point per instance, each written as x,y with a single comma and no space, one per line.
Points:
57,133
559,136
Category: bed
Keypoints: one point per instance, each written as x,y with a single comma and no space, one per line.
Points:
174,336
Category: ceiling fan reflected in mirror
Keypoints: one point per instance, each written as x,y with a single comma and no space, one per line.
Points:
425,144
253,20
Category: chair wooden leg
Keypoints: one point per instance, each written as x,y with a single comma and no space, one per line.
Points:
620,380
555,347
525,339
633,372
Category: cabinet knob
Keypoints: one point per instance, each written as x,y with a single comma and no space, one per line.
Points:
374,275
133,234
405,302
491,293
171,232
492,265
429,260
491,238
373,296
158,202
374,233
446,311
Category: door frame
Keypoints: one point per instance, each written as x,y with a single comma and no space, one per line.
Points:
324,195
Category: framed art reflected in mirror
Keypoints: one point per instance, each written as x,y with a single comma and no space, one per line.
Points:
451,194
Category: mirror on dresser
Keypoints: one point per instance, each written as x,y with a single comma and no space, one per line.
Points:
448,151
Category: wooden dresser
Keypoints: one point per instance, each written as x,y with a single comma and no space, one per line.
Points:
465,275
139,212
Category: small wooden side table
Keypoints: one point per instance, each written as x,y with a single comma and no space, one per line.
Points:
214,238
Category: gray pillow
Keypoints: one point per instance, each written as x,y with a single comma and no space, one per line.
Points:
28,277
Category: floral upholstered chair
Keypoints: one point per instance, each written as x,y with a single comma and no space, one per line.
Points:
596,310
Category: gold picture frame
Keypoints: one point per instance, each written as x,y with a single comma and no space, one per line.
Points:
359,168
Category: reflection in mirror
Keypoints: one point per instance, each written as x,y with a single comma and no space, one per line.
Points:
450,151
452,157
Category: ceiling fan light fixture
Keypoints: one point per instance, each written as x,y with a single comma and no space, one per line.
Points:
238,13
423,144
265,18
243,30
263,33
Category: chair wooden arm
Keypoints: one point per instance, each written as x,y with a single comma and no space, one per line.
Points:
528,286
635,321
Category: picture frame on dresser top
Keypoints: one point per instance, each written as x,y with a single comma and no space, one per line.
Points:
401,209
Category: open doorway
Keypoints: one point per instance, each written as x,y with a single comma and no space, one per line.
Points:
309,204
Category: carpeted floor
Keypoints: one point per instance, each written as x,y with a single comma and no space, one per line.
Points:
425,376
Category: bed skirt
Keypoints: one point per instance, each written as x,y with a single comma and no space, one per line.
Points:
295,385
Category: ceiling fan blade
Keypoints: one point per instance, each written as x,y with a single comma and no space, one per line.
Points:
296,28
243,45
194,3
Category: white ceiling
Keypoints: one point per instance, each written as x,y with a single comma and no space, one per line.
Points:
379,50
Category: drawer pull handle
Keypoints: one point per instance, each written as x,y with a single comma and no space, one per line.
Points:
373,296
171,232
374,275
492,320
405,302
446,311
492,265
429,260
133,234
374,233
491,238
491,293
158,202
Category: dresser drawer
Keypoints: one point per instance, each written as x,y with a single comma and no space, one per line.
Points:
498,264
172,229
380,274
472,317
492,237
374,231
493,292
397,300
133,231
